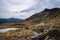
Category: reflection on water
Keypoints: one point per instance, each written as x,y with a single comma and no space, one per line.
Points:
7,29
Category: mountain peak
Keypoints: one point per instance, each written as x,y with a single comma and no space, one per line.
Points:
53,9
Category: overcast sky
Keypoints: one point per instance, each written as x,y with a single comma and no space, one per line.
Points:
24,8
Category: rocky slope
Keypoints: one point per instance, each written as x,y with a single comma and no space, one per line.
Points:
47,15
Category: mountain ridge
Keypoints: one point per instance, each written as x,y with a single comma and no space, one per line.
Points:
3,20
46,14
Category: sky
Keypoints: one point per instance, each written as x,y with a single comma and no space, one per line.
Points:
23,9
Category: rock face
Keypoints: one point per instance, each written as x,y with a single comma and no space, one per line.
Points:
53,35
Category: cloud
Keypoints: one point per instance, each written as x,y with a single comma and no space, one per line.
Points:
11,8
24,8
17,5
42,4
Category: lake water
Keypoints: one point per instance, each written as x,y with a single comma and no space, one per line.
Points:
7,29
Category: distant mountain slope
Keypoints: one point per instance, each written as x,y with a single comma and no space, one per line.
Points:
2,20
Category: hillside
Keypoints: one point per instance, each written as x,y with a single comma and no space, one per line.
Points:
47,15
